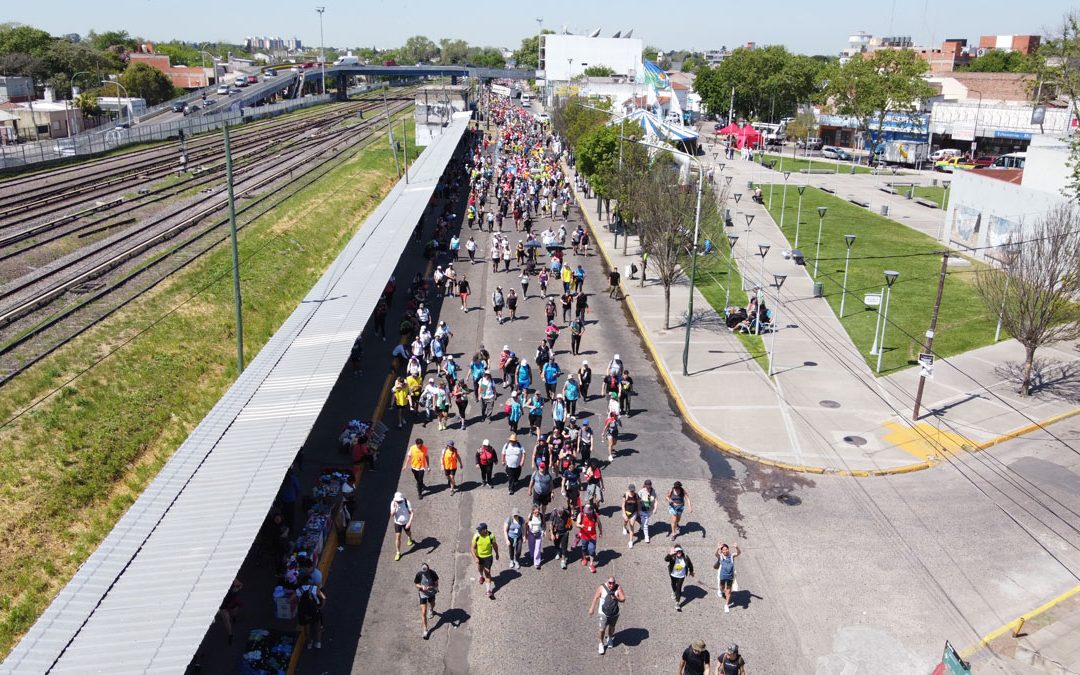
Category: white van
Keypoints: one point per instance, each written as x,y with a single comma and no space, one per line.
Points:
526,99
1012,160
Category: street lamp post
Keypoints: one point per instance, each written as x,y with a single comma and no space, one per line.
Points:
890,279
539,27
849,239
70,109
783,202
763,250
798,215
322,49
778,280
821,221
731,238
127,96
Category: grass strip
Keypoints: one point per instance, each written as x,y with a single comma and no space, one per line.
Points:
963,323
71,466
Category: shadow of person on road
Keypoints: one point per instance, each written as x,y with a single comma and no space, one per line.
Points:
692,526
631,637
505,577
454,616
741,598
693,592
605,556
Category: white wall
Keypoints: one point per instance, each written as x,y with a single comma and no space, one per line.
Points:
623,55
996,117
1047,165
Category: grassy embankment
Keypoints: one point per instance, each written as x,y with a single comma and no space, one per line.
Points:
964,322
85,430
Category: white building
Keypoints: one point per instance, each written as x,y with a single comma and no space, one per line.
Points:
564,57
988,207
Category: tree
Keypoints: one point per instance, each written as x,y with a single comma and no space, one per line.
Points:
1058,71
526,55
768,81
24,39
87,103
650,53
1000,61
573,121
804,124
599,70
869,88
486,57
693,62
1036,286
143,81
453,51
21,63
112,38
666,213
418,49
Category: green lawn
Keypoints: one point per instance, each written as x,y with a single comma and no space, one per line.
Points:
934,194
76,451
816,163
711,281
963,324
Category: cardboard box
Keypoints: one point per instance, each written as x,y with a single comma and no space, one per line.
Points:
354,533
284,608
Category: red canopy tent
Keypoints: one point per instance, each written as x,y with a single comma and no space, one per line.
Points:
729,130
744,136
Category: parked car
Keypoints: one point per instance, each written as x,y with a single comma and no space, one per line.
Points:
809,143
833,152
952,163
1012,160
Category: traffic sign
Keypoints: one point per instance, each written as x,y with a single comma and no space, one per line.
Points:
951,663
926,366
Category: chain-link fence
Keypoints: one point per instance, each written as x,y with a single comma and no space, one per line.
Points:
98,141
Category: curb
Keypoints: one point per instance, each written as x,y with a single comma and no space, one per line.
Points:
1016,623
1026,429
717,442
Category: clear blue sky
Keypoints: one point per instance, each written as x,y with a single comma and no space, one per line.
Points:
810,27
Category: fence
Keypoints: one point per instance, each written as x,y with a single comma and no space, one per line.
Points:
103,140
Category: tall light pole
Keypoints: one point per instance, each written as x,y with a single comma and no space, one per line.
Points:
539,28
731,239
849,239
213,60
821,221
975,136
798,215
322,50
70,107
763,250
235,256
126,96
890,279
778,280
783,202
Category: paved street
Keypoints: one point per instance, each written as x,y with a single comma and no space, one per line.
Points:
838,574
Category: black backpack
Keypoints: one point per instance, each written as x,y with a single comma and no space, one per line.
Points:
308,607
610,606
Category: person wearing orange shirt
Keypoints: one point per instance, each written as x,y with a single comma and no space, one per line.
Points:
451,460
417,460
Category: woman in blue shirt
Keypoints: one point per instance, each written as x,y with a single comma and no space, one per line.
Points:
571,393
535,407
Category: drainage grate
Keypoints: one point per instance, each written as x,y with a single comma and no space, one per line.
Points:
828,404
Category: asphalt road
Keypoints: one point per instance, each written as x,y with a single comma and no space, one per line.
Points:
838,575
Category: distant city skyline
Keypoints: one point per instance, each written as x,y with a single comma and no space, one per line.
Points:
385,24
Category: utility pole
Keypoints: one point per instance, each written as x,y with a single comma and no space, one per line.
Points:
235,257
930,333
322,51
390,126
405,149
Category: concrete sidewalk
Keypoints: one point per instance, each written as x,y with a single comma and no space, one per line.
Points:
824,410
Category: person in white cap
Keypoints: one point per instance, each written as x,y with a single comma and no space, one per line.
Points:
401,513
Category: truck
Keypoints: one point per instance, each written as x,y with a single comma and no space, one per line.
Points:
906,153
349,60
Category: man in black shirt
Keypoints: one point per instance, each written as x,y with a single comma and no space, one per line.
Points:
613,282
695,660
427,585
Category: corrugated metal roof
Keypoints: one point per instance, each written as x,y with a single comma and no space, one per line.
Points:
144,599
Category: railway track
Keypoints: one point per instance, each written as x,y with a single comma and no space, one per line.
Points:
99,273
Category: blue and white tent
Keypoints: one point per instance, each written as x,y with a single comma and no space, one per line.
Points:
657,128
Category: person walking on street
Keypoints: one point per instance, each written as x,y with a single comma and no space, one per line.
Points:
401,512
524,284
534,529
609,596
585,442
678,500
463,290
571,394
562,524
470,248
567,304
725,572
461,399
581,306
631,512
590,530
309,610
585,378
679,566
451,462
485,461
534,406
400,393
513,455
511,303
498,301
486,392
515,409
577,329
483,548
731,663
514,533
541,485
417,460
696,660
427,585
648,507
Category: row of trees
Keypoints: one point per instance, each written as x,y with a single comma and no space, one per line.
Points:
647,187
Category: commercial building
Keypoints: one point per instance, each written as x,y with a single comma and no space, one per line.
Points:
1025,44
184,77
37,120
565,57
989,206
